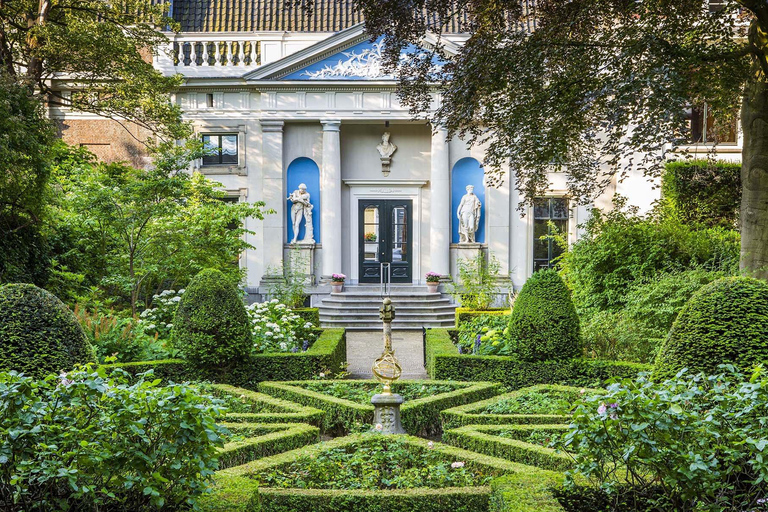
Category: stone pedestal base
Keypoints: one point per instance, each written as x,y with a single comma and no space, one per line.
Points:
302,258
387,414
468,251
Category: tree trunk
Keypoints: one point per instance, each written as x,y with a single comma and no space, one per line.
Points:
754,181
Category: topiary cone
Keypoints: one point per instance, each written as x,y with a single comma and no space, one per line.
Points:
39,335
211,327
544,325
724,322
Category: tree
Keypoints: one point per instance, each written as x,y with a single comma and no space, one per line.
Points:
143,230
582,86
101,48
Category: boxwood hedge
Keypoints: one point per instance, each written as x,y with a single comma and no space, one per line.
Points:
266,408
445,363
263,440
464,315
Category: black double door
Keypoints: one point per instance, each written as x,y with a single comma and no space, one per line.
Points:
385,237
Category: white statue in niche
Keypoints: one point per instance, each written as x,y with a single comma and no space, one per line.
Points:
301,209
386,150
469,216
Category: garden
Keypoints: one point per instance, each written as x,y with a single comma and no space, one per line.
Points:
615,382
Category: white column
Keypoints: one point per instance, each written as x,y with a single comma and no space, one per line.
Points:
440,193
273,194
330,199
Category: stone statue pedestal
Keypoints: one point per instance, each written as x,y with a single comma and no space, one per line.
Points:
386,413
303,263
468,251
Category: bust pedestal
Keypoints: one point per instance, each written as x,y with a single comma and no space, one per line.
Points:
468,251
386,412
303,260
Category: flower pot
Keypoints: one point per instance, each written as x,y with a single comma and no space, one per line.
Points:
432,287
337,287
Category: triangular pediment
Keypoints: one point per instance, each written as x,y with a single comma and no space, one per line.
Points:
349,55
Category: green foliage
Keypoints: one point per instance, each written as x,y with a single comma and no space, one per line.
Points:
620,250
702,439
724,322
276,328
526,491
211,327
25,138
419,416
540,404
381,462
93,440
464,315
518,443
291,283
636,332
250,407
39,335
479,282
263,440
484,334
363,392
703,192
544,325
444,362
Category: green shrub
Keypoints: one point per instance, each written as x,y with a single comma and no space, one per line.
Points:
479,282
702,437
484,334
703,192
311,315
211,327
92,440
620,250
464,315
257,408
724,322
257,440
445,363
544,325
39,335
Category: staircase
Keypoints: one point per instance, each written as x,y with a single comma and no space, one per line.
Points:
357,308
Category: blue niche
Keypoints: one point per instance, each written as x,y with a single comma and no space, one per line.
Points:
304,170
467,171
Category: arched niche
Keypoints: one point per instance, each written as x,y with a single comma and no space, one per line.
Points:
467,171
304,170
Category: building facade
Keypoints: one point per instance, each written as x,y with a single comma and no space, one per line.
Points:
287,99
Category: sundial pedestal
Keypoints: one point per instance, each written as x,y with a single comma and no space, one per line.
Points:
386,412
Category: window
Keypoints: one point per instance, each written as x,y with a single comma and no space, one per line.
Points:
223,149
703,129
550,217
209,100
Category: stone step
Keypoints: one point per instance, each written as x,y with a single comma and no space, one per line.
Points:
353,307
336,299
374,316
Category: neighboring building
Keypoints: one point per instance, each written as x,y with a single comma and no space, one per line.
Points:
291,99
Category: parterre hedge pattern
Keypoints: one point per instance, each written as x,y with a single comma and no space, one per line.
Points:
420,416
234,491
268,409
485,439
38,333
470,414
445,363
263,440
328,352
725,321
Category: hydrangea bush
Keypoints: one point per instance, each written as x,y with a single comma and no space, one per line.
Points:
277,328
158,320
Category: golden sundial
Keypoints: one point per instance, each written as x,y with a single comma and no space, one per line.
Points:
386,368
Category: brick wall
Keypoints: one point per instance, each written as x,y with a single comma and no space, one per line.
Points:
109,140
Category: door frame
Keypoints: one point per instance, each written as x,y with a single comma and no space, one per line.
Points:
384,243
376,189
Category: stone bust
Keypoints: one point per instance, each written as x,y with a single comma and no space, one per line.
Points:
386,148
469,216
301,210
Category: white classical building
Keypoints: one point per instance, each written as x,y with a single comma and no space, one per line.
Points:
290,99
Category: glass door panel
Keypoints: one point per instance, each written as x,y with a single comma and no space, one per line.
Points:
385,227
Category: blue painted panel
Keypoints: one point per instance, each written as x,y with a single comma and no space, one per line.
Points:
467,171
359,62
304,170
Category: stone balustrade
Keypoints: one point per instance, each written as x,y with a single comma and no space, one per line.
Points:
214,50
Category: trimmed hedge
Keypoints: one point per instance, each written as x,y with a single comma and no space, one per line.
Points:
725,321
464,315
264,440
311,315
527,492
211,326
269,409
470,414
544,325
418,416
445,363
328,352
39,335
485,439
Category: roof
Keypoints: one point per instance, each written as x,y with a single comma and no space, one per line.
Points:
272,15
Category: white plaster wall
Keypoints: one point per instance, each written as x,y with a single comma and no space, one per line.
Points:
361,160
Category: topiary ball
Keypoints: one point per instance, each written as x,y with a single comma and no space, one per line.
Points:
544,325
211,327
39,335
725,321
